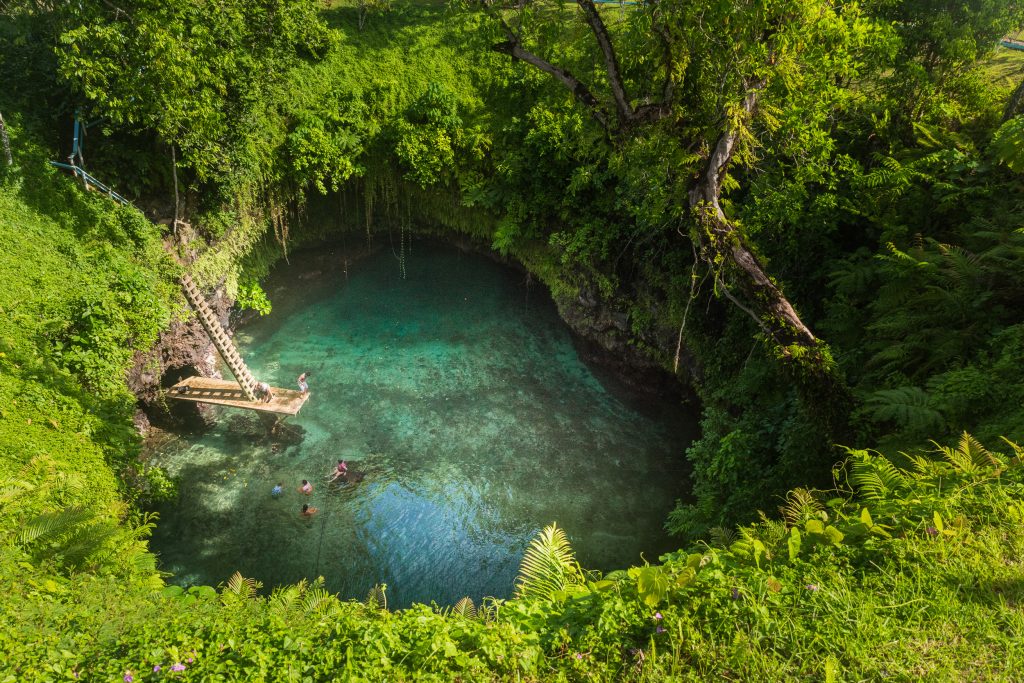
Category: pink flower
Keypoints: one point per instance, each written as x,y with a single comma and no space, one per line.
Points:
660,629
657,616
178,667
579,656
813,587
128,678
156,669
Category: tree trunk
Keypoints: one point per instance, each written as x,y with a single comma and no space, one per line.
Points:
724,250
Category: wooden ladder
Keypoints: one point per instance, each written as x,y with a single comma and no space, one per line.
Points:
219,337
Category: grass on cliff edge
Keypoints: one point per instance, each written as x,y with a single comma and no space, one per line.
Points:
85,286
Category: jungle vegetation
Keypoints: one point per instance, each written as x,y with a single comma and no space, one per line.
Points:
809,211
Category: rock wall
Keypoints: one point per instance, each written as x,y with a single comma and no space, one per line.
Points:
184,349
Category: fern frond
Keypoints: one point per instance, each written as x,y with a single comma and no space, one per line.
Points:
283,599
800,506
1018,451
908,407
377,598
926,467
50,525
773,531
721,537
876,477
978,454
241,586
549,565
318,601
465,608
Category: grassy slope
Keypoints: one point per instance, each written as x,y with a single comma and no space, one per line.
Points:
85,285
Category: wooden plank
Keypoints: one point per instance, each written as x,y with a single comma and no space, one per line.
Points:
224,392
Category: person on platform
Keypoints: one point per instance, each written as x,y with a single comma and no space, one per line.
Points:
265,393
303,385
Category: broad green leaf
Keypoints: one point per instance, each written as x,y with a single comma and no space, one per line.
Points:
794,544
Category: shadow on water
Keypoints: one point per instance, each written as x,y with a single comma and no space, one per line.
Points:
471,418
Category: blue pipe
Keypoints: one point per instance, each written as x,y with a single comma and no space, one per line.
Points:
1012,44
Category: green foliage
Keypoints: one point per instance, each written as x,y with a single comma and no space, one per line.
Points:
1008,144
163,66
251,296
918,579
549,568
869,184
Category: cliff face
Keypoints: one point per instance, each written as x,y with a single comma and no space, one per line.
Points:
605,337
182,350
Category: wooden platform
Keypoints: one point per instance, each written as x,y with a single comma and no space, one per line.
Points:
222,392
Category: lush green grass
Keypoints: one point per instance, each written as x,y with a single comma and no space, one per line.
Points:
1005,67
86,286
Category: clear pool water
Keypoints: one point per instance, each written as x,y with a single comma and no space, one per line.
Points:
457,395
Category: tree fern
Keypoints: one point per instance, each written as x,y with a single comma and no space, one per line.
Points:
908,408
549,566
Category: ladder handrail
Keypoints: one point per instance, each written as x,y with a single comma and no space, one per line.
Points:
220,338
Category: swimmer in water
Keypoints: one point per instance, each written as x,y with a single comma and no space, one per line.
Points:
339,472
308,511
306,487
276,491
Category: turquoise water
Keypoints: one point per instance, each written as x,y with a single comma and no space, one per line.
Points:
458,396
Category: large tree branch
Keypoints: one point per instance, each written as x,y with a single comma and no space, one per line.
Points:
722,246
611,61
580,91
513,47
627,116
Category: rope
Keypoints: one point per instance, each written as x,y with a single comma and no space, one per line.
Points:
323,524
